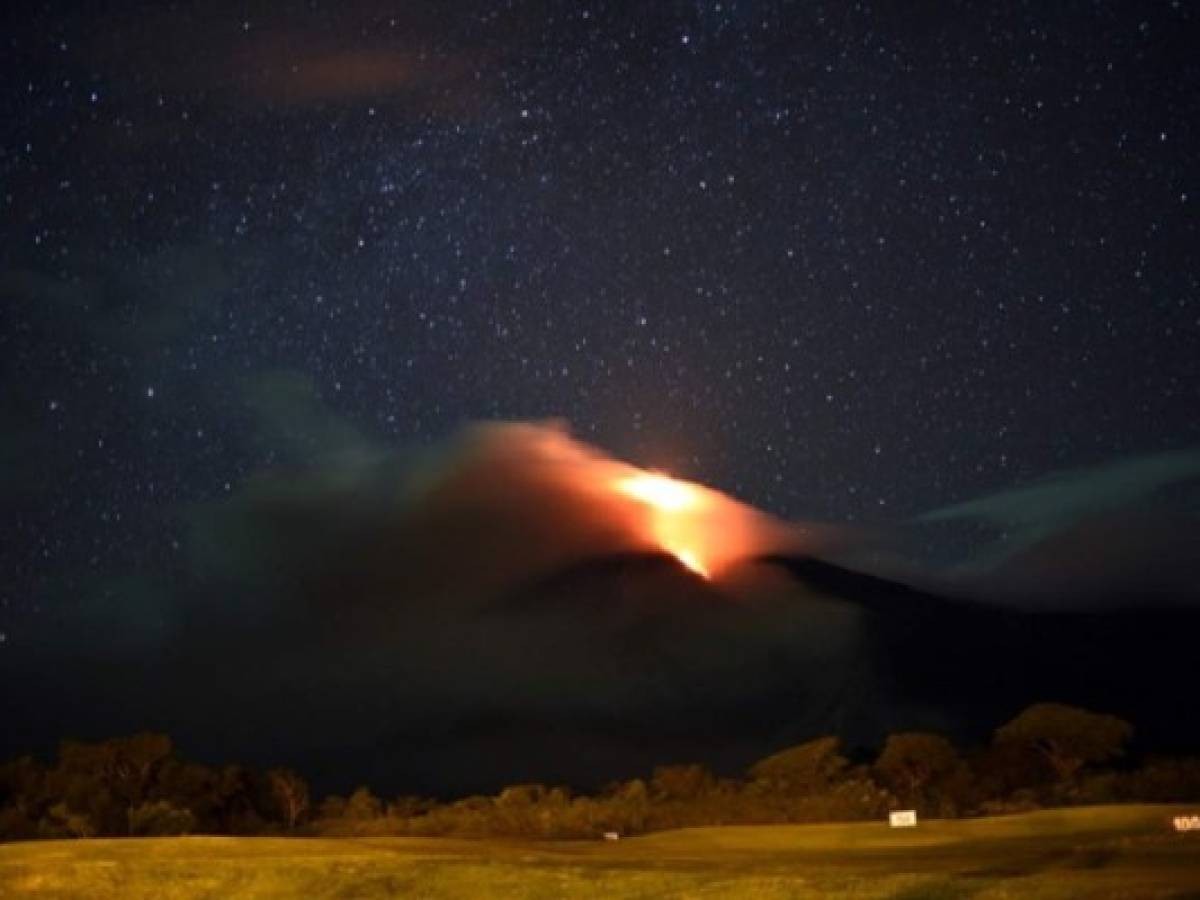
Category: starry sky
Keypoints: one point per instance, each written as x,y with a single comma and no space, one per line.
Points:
850,262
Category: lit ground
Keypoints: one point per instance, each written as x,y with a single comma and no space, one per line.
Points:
1111,852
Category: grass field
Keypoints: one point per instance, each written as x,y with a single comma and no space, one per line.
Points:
1111,852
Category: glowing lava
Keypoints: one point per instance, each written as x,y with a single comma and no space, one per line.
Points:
659,491
675,522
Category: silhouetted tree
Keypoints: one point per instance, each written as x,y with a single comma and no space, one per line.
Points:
1165,781
242,797
914,764
519,795
807,768
363,805
1002,769
135,785
405,806
62,821
625,806
194,787
22,789
160,818
1066,737
106,779
332,807
290,792
681,782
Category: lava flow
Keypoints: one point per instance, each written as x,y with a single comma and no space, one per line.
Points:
673,505
702,528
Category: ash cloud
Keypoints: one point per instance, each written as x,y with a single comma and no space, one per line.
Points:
500,504
387,610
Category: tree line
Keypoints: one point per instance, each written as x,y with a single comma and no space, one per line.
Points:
1048,755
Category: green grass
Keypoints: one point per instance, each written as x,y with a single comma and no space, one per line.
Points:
1096,852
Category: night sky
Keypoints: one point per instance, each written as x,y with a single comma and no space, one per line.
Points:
882,265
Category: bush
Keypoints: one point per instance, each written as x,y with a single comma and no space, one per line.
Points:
1022,801
158,818
136,786
855,799
801,770
363,805
1165,781
60,821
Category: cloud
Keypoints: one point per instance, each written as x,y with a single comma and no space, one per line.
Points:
413,57
292,421
133,316
159,298
1127,528
1066,496
303,69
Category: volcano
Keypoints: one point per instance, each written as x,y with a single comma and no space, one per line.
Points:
943,660
790,647
607,666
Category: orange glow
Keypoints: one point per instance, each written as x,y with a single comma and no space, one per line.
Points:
678,517
567,501
663,493
689,559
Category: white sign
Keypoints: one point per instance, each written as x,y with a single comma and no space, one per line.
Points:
903,818
612,836
1186,823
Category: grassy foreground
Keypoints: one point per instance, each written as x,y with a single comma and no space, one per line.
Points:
1112,852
